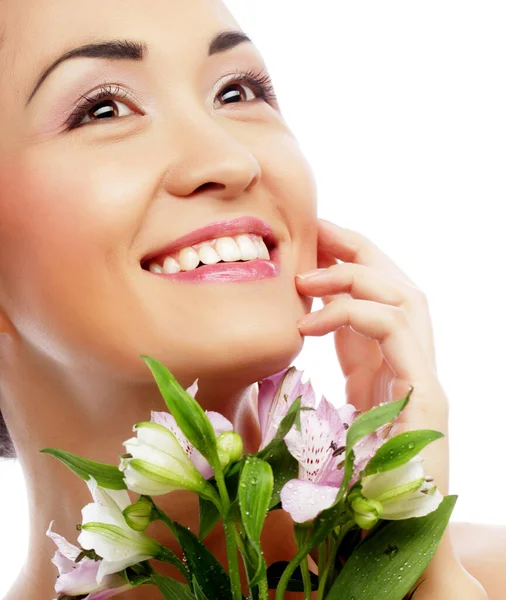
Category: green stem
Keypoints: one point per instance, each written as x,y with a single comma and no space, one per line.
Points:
263,590
322,556
301,535
230,534
324,574
288,572
328,573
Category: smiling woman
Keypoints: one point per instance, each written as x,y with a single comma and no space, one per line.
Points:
124,132
153,201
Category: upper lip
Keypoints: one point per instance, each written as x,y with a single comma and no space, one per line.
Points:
245,224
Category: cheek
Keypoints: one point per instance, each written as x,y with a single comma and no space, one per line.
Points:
58,224
293,188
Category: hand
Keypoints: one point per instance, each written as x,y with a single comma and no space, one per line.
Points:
384,344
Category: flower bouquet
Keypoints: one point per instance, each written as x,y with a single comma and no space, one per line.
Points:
361,504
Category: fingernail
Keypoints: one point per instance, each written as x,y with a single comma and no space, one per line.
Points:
306,319
310,274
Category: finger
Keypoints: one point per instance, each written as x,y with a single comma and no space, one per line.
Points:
361,282
389,325
350,246
367,283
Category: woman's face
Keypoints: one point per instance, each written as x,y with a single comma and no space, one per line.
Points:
172,148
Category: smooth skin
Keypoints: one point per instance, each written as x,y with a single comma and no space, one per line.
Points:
80,208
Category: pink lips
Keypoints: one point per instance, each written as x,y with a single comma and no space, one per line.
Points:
224,272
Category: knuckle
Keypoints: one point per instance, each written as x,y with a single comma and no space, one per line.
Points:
398,316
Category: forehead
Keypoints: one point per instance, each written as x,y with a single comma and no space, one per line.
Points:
33,32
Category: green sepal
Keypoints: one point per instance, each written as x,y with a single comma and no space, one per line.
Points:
402,551
187,412
400,449
170,588
107,476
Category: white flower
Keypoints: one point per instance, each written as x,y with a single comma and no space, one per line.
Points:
404,492
105,530
157,464
78,579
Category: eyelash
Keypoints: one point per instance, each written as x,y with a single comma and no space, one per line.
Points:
260,81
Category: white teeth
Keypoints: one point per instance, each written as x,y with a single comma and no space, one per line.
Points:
154,268
170,265
247,247
227,249
188,259
264,253
208,255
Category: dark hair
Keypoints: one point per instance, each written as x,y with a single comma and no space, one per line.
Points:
6,446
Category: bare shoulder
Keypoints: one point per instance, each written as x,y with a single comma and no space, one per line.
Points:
482,551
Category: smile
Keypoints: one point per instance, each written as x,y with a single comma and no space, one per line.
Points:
233,256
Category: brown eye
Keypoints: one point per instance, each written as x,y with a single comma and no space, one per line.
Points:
106,109
235,93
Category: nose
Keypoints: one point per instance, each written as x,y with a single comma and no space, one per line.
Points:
207,155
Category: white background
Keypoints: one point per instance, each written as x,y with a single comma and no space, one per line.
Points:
400,108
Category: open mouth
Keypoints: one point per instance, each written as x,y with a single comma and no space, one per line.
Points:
241,248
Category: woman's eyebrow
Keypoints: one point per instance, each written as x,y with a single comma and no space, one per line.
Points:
134,50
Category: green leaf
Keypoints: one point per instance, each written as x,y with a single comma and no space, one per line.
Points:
197,590
400,449
255,492
388,562
209,515
295,583
284,467
107,476
286,424
211,576
186,411
327,520
364,425
171,589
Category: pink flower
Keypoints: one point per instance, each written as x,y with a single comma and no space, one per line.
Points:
220,425
319,447
275,396
77,579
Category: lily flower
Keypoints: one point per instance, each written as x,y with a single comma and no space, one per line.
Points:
105,531
275,396
77,579
403,492
220,425
319,447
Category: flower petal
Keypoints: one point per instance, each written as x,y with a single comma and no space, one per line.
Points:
376,485
82,579
109,567
275,396
66,549
304,500
417,505
114,499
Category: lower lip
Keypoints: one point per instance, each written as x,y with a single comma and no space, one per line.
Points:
252,270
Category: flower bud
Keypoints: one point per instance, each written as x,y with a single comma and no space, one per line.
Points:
229,445
367,512
140,514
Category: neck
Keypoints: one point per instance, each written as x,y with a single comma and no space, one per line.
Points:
93,421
